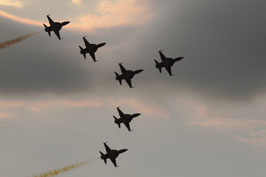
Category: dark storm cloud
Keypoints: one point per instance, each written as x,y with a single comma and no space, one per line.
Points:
43,65
39,65
223,43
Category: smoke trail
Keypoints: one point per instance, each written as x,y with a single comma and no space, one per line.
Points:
17,40
59,171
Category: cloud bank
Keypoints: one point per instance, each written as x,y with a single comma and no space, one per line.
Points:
10,3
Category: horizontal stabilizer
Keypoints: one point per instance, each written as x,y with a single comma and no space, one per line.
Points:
46,29
102,157
117,122
117,78
115,118
158,66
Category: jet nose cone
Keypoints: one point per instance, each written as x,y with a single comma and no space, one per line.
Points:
136,114
123,150
179,58
139,71
100,45
65,23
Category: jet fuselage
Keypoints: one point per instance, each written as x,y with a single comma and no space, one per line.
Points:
56,26
129,74
91,49
127,118
167,62
113,154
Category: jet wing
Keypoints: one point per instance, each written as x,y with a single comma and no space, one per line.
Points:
127,125
123,70
107,148
129,82
50,20
57,34
92,54
162,56
113,161
169,70
121,114
86,42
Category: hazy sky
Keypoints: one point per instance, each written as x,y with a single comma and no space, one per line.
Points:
207,121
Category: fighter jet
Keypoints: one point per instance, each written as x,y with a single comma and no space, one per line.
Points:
55,27
127,75
90,48
125,118
111,154
166,62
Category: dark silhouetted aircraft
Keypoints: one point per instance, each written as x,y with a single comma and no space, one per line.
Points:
166,62
125,118
127,75
90,48
111,154
55,27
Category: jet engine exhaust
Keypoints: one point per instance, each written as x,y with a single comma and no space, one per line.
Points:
15,41
59,171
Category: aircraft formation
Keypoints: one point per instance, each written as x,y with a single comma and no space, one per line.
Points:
126,75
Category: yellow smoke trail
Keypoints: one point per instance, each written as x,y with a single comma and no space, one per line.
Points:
17,40
59,171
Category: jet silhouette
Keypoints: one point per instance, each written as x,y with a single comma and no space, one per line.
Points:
127,75
55,27
125,118
90,48
111,154
167,63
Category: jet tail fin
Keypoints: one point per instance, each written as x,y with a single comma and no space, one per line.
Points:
47,29
117,78
157,66
81,51
102,157
116,121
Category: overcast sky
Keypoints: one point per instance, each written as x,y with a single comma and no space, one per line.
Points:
207,121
